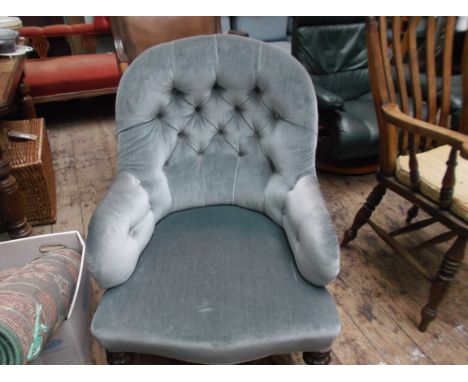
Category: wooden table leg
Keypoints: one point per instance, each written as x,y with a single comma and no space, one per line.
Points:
25,101
11,205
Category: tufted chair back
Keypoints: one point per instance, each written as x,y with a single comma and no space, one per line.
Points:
216,119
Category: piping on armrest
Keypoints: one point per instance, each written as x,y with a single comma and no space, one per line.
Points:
120,229
328,100
310,232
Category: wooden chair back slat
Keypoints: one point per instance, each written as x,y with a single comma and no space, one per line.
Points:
447,71
386,62
400,75
416,92
431,82
388,136
463,126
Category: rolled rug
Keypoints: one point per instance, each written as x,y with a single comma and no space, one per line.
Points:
34,301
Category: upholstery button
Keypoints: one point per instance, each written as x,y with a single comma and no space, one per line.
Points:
216,86
257,134
241,153
220,131
159,115
237,109
181,134
175,91
257,90
198,108
201,152
276,115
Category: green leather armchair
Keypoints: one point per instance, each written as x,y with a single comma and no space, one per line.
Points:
333,50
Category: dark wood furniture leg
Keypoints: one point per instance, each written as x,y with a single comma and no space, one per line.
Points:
25,101
364,213
313,358
446,274
412,213
119,358
11,205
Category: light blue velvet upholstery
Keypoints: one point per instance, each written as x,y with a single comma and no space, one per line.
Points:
226,290
204,121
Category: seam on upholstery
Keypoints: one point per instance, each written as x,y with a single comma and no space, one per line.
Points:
172,152
247,123
281,118
216,50
139,223
225,100
235,181
187,101
172,62
203,184
225,138
209,122
259,54
305,174
136,125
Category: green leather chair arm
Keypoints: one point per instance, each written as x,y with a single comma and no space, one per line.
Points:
328,100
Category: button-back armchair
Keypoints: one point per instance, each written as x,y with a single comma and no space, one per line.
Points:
214,242
422,158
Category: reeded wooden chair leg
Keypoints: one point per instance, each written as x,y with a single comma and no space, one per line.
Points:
364,213
314,358
119,358
446,274
411,214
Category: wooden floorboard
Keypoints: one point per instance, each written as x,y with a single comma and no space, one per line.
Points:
379,296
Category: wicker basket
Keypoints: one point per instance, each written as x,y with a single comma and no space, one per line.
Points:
31,165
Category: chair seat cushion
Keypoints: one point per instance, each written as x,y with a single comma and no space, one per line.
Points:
432,167
216,285
71,74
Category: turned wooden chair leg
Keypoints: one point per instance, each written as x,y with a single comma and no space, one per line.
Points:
364,213
119,358
411,214
314,358
446,274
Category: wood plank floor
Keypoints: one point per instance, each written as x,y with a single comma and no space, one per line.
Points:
378,295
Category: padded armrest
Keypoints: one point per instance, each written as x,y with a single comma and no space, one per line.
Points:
310,233
119,230
328,100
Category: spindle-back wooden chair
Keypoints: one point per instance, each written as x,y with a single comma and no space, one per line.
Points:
412,95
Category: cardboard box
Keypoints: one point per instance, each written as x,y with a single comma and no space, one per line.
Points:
70,345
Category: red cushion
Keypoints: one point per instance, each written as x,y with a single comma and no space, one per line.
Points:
70,74
57,30
31,31
83,29
102,24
